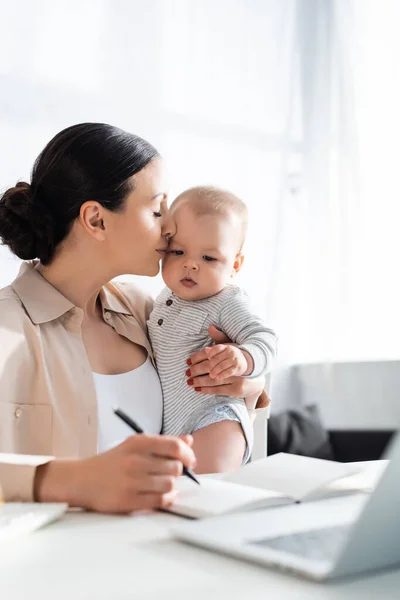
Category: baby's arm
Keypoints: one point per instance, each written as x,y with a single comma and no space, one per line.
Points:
257,342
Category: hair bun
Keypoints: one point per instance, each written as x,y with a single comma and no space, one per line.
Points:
22,185
26,226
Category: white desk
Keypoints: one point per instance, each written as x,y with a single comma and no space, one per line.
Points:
88,556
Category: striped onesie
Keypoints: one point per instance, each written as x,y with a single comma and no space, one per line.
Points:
177,329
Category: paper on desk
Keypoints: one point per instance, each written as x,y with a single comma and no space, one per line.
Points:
294,476
365,481
216,497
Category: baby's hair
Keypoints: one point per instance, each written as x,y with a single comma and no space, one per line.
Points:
209,200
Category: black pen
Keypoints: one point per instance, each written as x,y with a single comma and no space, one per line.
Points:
131,423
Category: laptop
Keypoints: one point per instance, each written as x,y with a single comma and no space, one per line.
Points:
320,540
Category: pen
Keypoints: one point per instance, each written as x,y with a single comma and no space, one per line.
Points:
131,423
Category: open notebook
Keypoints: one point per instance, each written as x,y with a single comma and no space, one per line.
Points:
272,481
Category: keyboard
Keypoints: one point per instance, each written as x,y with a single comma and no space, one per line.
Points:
319,544
21,518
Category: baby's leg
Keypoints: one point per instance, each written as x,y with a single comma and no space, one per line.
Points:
223,438
219,447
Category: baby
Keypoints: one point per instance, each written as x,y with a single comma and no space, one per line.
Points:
200,263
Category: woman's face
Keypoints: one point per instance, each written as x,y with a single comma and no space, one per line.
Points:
138,234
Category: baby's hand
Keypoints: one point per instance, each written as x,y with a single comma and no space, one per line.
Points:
228,361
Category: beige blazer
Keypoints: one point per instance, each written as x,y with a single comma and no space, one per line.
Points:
47,394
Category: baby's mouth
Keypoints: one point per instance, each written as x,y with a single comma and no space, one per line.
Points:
188,282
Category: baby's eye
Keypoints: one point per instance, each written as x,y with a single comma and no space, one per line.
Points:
176,252
157,214
209,258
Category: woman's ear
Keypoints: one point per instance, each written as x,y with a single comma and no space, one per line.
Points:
237,265
92,219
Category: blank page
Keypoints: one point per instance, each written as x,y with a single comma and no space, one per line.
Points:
291,475
216,497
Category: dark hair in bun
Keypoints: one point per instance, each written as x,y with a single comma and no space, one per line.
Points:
89,161
26,227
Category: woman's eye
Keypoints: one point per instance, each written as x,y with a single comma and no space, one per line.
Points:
209,258
157,214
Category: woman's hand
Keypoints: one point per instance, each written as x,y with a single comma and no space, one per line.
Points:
138,474
234,387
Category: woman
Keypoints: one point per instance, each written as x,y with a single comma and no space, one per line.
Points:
96,208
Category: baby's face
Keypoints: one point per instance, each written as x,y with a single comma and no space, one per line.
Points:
202,255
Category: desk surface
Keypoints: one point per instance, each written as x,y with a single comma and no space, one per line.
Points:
90,556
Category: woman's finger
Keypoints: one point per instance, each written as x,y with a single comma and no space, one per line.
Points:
218,390
197,357
167,499
202,368
187,438
151,500
139,447
232,387
161,484
139,466
203,380
173,447
206,381
164,466
218,336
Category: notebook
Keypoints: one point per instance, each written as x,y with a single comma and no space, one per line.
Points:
276,480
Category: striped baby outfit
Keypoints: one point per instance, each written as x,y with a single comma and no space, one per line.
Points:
177,329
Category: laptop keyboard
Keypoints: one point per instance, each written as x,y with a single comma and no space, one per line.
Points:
319,544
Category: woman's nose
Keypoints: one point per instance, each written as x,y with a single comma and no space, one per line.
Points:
169,226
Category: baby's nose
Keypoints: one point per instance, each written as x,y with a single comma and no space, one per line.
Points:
191,264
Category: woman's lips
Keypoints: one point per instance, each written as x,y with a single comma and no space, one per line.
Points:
187,282
161,252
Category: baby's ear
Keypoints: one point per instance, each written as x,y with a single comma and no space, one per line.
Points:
237,265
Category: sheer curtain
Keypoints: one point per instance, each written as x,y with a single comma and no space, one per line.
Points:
377,84
339,343
210,83
320,232
292,104
350,92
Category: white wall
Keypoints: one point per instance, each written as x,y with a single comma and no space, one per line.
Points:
206,82
214,85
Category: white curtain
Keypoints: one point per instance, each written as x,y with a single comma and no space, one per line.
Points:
340,327
350,127
208,82
316,260
292,104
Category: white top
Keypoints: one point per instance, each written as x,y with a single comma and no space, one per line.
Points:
138,393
